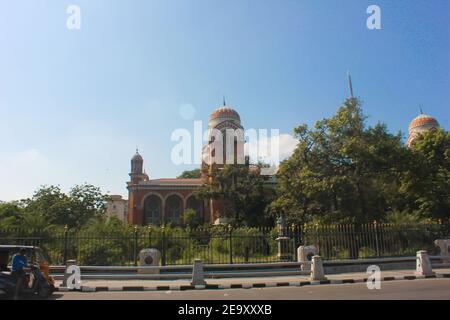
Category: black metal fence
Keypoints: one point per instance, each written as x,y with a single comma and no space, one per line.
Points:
222,244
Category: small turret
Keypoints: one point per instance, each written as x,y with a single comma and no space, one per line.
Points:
137,166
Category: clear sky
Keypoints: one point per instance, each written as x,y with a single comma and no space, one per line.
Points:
75,103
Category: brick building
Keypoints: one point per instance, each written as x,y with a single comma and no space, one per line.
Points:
153,201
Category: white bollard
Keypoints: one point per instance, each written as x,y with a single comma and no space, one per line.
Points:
198,276
305,254
149,257
317,272
423,264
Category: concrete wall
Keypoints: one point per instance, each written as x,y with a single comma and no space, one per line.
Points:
335,267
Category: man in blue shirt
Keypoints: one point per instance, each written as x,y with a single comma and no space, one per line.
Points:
19,262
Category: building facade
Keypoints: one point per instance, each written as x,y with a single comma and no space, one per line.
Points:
156,201
117,207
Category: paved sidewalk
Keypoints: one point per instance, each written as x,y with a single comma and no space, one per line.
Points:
248,282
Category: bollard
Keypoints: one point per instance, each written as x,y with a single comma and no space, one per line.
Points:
423,264
317,272
149,257
305,254
198,277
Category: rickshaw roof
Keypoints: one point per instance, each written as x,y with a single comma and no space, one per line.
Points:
17,247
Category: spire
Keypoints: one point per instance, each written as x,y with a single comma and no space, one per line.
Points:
420,109
350,87
224,104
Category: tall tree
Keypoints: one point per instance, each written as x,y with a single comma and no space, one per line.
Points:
242,189
426,182
10,213
74,209
342,170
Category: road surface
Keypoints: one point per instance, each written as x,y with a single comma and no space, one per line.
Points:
405,289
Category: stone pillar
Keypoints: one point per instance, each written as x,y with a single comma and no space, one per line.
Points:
283,248
317,272
305,254
423,264
148,258
283,241
444,249
198,276
444,246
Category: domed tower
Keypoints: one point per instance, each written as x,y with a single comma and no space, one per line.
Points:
225,123
137,175
420,124
137,166
224,117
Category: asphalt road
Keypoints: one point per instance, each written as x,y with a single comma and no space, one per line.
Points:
426,289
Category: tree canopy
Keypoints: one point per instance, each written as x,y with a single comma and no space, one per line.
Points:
190,174
49,206
346,171
426,181
241,187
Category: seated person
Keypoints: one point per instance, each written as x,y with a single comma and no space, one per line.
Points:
19,263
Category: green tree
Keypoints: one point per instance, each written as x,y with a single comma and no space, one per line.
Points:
190,174
426,182
10,213
404,218
242,189
74,209
191,218
341,170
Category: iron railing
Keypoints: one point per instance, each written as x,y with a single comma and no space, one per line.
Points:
223,244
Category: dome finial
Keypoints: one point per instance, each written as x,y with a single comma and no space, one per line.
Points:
224,103
420,109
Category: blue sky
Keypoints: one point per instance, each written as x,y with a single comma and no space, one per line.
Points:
75,103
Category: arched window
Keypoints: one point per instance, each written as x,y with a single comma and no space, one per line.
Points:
174,209
197,205
152,209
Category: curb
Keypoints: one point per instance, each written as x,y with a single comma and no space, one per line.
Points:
244,285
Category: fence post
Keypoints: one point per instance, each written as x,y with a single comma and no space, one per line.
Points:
65,244
317,235
230,230
135,245
149,228
163,246
294,244
376,238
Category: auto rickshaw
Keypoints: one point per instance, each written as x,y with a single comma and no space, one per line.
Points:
36,258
